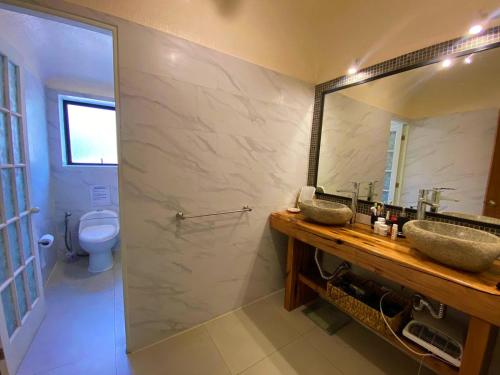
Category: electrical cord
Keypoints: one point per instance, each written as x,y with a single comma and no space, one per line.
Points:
342,266
423,355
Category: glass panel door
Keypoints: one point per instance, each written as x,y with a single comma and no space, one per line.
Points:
21,298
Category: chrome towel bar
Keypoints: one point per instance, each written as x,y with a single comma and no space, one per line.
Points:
180,215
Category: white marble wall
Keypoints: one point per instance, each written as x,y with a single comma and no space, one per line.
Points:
71,184
201,132
451,151
354,140
40,181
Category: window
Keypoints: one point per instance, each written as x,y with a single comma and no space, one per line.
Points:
90,133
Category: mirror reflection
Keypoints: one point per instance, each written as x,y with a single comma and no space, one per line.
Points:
433,127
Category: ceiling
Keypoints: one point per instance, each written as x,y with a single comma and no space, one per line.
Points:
63,56
313,40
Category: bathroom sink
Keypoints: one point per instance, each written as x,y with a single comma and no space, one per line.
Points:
483,219
325,212
456,246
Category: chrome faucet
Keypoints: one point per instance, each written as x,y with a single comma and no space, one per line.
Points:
371,191
433,202
437,197
354,199
423,200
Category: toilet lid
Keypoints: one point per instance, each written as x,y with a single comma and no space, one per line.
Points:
97,233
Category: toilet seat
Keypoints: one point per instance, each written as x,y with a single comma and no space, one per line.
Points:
98,233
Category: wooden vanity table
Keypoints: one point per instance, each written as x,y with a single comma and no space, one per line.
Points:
475,294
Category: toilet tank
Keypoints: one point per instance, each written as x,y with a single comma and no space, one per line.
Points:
99,217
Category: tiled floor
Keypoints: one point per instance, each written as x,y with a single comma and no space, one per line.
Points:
83,328
83,334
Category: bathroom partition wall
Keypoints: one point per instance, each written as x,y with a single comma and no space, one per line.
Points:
200,131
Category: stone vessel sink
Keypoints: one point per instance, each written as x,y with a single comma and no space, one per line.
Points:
325,212
456,246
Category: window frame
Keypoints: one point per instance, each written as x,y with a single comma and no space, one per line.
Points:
67,139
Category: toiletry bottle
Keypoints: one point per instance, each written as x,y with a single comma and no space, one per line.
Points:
402,219
373,217
388,222
394,231
382,230
378,224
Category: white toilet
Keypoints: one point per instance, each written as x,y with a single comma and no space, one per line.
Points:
98,234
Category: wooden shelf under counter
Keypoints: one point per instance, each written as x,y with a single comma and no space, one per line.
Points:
319,286
475,294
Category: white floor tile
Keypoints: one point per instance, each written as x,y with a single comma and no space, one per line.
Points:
78,332
296,317
100,366
355,350
250,334
297,358
191,353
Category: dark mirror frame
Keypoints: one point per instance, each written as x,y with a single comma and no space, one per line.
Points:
488,39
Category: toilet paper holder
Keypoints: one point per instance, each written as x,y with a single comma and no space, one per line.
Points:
46,240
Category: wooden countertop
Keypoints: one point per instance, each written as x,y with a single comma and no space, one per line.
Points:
397,261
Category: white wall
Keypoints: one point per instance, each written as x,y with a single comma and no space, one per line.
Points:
354,141
201,132
451,151
71,183
41,183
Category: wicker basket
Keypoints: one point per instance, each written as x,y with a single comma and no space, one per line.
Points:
364,313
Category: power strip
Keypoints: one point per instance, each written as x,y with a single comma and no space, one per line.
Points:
435,341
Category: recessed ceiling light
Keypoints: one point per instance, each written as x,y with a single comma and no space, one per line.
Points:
476,29
446,63
352,70
468,60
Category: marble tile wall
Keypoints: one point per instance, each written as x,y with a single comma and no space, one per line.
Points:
39,163
71,184
451,151
38,148
454,151
202,132
354,140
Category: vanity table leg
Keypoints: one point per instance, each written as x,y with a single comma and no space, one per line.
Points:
478,347
299,257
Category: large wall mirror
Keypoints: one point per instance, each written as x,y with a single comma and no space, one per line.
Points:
431,126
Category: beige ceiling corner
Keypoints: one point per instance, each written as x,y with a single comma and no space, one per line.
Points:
313,40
